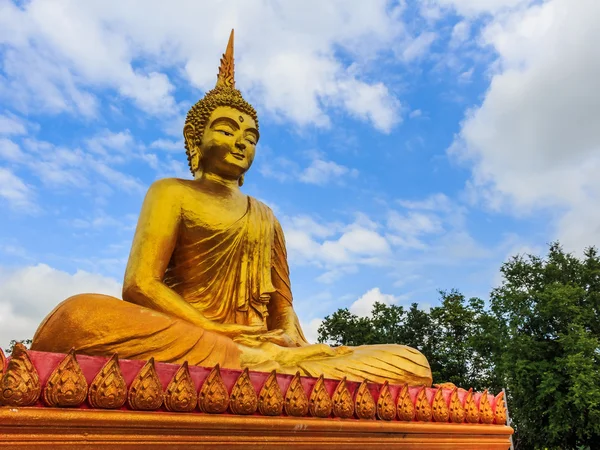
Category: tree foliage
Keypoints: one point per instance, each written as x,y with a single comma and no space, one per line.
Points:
550,355
539,338
25,342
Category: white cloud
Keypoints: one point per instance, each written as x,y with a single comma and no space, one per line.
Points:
28,294
58,167
10,124
322,172
415,114
470,8
460,33
311,330
364,305
58,55
534,142
15,192
10,151
168,145
105,141
435,202
334,247
418,47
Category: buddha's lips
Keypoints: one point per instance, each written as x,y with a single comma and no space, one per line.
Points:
238,155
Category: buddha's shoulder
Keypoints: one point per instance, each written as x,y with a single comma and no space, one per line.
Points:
262,205
170,184
169,187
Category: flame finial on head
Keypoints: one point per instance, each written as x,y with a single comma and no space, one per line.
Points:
223,94
226,70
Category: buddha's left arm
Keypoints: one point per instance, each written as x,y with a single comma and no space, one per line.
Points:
281,311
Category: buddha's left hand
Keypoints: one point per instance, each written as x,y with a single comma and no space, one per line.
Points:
278,337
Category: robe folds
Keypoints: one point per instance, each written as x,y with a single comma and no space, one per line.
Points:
234,274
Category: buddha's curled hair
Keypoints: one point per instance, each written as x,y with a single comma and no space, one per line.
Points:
199,114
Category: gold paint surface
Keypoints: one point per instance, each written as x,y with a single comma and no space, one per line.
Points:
500,410
243,398
386,409
67,385
181,395
439,407
108,389
405,406
364,405
296,401
145,392
471,411
320,404
20,383
343,407
270,398
3,362
485,409
213,397
457,412
423,411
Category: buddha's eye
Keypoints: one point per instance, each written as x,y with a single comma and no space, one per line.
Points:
225,132
251,141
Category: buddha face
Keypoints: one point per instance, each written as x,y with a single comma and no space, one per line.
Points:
228,143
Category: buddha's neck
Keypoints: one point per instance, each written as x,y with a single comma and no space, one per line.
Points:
218,185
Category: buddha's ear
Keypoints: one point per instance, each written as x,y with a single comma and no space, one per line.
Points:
189,135
241,181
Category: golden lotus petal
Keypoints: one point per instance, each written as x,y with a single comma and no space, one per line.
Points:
405,407
270,398
439,407
145,392
108,389
243,396
2,362
296,401
472,414
500,410
320,404
485,409
343,407
181,395
386,410
66,385
213,397
20,383
364,405
457,412
423,411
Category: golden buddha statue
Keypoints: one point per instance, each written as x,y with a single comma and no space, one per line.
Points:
207,279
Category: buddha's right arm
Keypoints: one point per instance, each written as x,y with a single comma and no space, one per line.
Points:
153,244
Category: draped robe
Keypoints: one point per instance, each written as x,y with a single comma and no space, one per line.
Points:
234,274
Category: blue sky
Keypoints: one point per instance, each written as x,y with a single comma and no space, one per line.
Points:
406,147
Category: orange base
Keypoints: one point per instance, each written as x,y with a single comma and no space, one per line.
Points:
37,428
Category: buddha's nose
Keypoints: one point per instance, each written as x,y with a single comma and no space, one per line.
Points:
240,144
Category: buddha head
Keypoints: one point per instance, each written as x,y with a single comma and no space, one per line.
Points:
221,130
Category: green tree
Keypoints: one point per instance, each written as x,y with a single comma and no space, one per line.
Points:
453,336
550,350
12,343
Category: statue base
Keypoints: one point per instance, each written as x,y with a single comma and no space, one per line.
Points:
37,428
58,401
